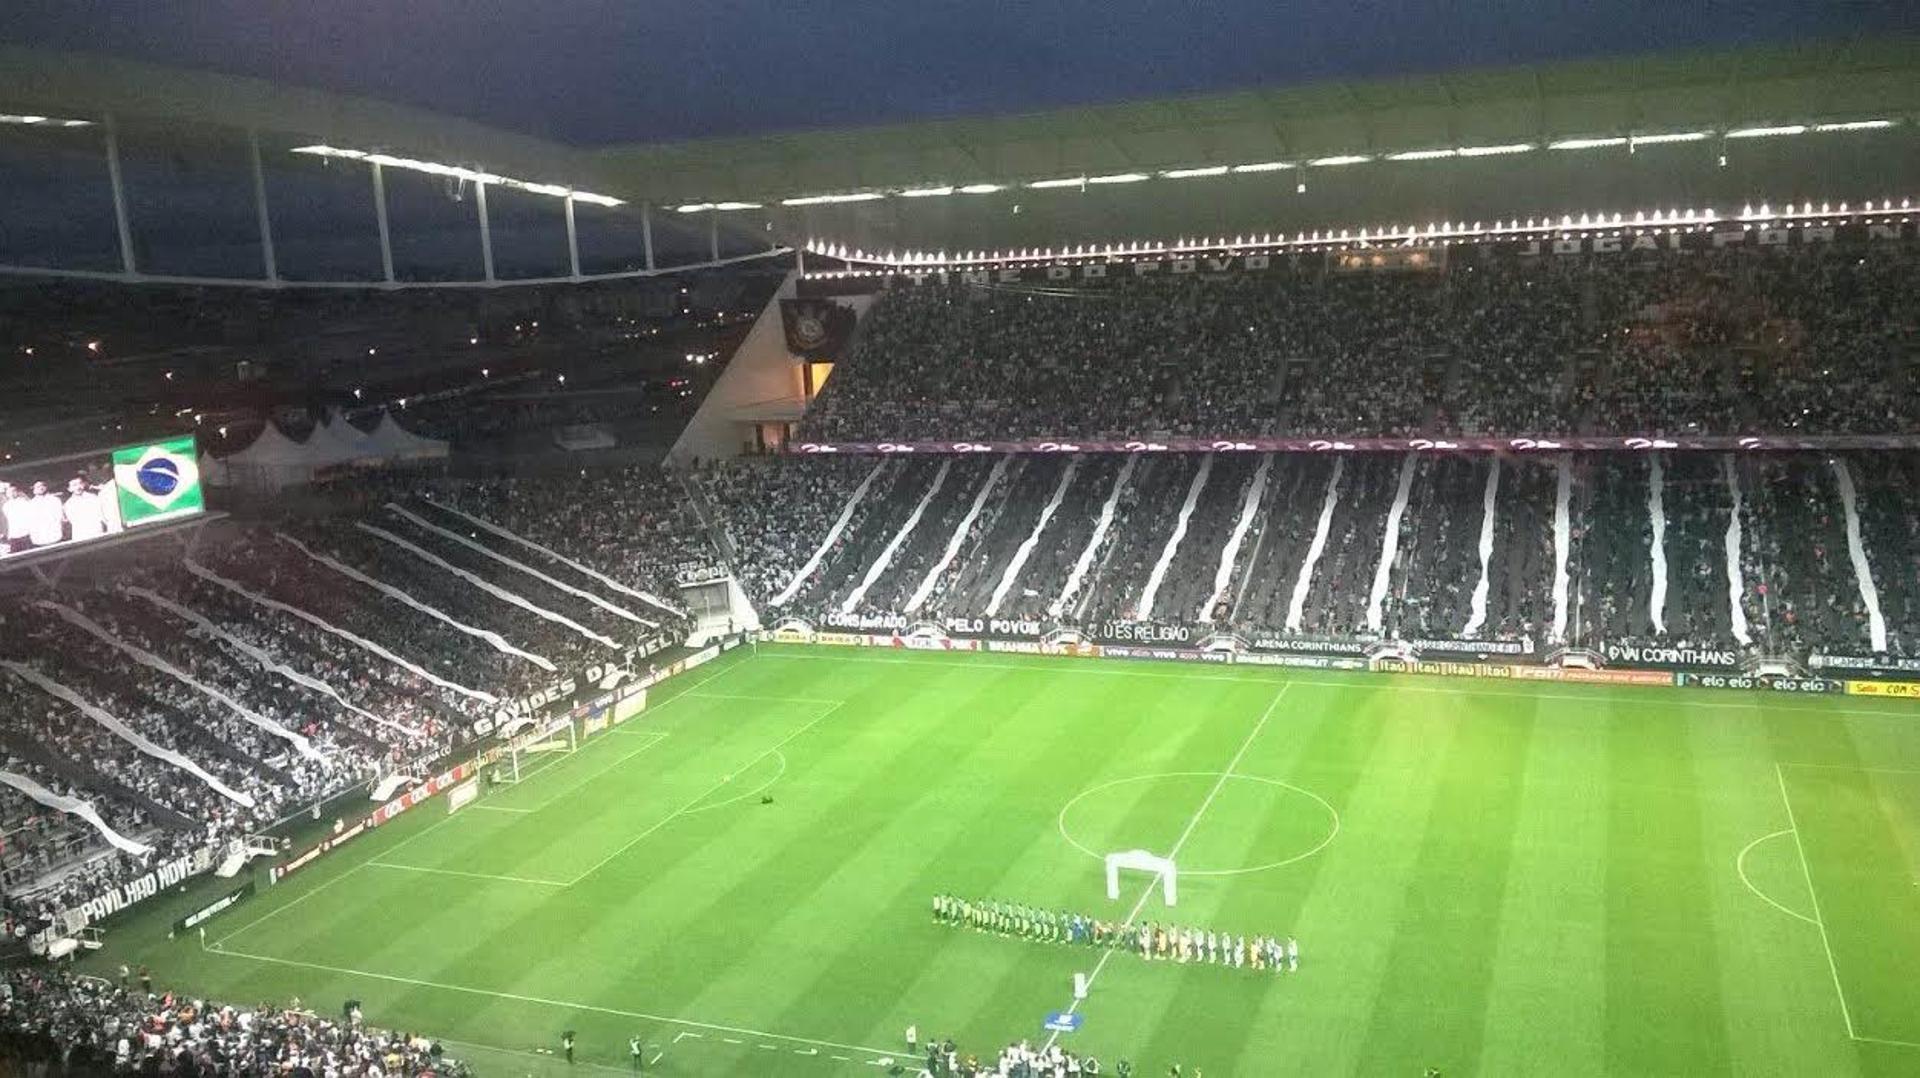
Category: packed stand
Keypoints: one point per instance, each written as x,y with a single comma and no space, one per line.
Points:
56,1024
1812,338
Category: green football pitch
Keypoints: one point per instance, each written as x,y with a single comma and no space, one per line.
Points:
1484,877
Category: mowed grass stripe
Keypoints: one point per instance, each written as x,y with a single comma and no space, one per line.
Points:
1663,999
1545,1000
1435,984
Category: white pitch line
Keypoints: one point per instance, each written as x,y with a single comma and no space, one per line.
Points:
501,808
777,776
752,696
1113,670
467,875
715,1027
1740,866
1819,919
524,1052
278,910
1856,767
1192,822
682,810
581,784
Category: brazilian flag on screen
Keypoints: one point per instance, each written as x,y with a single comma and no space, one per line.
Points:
158,481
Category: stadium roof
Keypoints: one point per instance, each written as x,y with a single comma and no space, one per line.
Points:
1729,90
1816,121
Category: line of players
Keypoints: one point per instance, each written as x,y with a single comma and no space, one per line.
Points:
1150,939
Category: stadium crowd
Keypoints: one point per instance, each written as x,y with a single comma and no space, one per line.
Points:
1730,342
56,1024
288,660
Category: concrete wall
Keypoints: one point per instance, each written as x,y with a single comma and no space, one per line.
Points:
763,383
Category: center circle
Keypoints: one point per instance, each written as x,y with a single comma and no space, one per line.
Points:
1290,823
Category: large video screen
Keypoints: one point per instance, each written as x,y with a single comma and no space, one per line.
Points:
77,499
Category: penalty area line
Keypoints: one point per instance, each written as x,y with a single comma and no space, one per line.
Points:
715,788
1819,919
543,1001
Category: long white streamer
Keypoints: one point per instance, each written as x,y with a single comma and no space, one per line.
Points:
1248,506
1032,540
1159,572
126,733
852,601
241,590
1736,576
1489,500
266,662
73,806
959,537
489,526
149,659
488,552
499,642
1562,545
1857,553
1389,546
1657,514
1297,605
1085,562
833,536
487,586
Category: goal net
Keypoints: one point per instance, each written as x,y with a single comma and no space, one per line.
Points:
530,751
1143,861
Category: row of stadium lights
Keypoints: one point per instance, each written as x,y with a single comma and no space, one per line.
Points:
1630,142
457,172
1565,227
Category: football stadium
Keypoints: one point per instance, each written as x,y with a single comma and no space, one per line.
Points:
1407,571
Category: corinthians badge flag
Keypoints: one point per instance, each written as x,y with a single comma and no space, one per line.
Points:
158,481
816,328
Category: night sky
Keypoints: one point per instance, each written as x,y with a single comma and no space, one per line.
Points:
597,71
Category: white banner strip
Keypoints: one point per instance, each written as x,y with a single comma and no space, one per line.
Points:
1249,505
126,733
1562,546
73,806
488,586
833,536
1657,515
1489,502
1297,605
1084,562
959,537
149,659
1027,545
239,589
1159,571
265,661
499,642
885,559
1389,546
1857,553
487,552
489,526
1736,578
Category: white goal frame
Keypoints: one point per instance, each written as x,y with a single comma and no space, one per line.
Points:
558,736
461,796
1163,867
